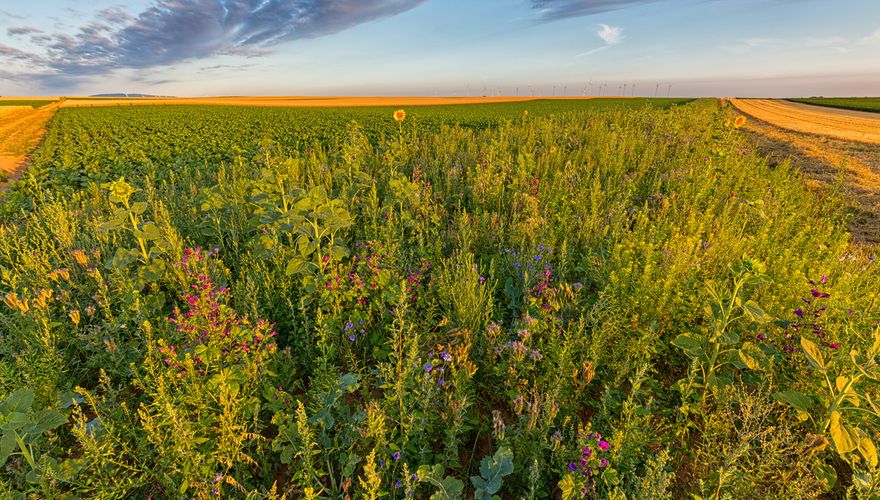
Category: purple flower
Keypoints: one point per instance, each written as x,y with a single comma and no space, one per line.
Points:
428,368
396,455
799,313
572,466
823,279
415,477
760,337
397,484
352,337
815,293
516,265
834,345
349,325
603,463
445,356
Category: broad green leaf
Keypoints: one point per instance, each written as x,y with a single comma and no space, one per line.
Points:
150,231
687,342
139,207
826,475
752,357
814,355
7,446
19,401
846,439
45,420
295,266
796,400
754,311
492,470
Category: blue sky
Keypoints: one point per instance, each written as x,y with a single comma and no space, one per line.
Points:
441,47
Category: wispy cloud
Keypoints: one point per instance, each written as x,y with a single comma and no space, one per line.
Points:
23,30
611,35
174,31
10,15
872,39
748,44
551,10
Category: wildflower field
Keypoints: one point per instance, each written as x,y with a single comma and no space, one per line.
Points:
544,299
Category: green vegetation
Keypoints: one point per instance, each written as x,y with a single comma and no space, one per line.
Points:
475,302
856,103
33,104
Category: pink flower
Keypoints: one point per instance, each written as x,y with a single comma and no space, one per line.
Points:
603,445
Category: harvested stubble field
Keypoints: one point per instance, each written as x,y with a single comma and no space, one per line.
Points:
22,124
823,121
541,299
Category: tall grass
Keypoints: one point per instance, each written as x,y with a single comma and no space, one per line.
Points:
522,309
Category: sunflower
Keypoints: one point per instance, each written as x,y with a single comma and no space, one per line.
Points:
739,122
399,115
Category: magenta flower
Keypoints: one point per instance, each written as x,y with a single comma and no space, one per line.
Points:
603,445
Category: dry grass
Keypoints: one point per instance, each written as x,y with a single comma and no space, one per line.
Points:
840,124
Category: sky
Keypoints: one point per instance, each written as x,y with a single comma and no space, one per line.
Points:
758,48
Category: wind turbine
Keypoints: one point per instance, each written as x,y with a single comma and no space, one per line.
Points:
668,89
656,89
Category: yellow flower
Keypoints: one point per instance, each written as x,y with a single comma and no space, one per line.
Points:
552,149
727,123
399,115
526,113
739,122
81,257
74,316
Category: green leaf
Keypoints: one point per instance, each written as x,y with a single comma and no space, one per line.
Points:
139,207
688,342
814,355
45,420
7,446
846,439
492,469
754,311
296,265
796,400
150,231
752,357
19,401
826,475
